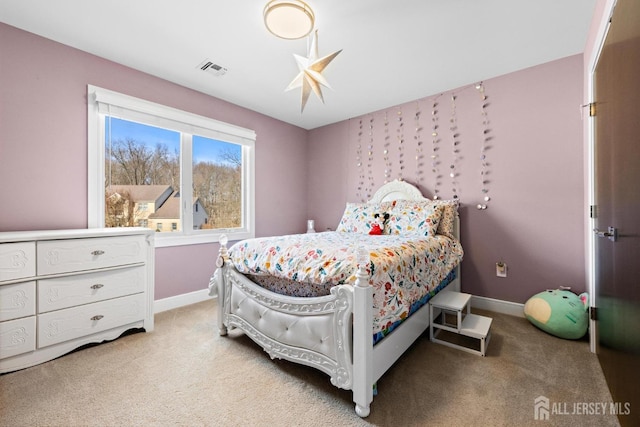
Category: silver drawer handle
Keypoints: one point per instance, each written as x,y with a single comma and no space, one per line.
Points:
98,317
98,252
97,286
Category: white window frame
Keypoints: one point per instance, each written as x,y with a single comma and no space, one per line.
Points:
101,102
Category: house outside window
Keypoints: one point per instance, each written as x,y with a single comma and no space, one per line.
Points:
141,157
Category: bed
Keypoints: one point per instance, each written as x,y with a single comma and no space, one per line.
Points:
356,308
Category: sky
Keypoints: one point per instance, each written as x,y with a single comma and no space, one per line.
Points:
204,149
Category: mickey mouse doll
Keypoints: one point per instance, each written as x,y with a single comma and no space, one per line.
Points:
378,225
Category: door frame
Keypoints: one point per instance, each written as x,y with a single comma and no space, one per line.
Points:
594,56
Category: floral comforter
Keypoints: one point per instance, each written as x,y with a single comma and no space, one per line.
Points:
403,270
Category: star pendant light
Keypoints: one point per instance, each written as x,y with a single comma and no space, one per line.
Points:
311,68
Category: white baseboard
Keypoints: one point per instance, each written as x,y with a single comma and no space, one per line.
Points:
180,300
498,306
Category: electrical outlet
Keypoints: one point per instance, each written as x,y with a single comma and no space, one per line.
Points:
501,269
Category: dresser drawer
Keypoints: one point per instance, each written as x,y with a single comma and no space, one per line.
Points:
64,292
17,336
17,260
64,325
18,300
62,256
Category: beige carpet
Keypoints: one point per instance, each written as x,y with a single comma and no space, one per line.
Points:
184,374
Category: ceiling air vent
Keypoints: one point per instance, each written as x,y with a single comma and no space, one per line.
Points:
211,68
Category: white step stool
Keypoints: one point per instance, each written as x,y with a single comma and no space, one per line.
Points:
467,324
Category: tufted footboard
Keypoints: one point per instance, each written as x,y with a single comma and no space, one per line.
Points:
328,333
312,331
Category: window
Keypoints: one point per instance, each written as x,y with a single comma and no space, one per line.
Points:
142,158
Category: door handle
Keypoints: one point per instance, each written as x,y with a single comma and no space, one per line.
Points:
611,233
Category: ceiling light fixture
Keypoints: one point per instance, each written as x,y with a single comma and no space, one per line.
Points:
289,20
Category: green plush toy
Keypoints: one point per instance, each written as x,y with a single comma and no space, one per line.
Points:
559,312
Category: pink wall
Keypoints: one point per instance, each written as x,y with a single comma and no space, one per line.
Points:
43,148
535,218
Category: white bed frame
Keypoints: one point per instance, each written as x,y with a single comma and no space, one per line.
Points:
332,333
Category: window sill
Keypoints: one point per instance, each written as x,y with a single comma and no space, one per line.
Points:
163,240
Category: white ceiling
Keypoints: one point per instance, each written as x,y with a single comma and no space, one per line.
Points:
393,51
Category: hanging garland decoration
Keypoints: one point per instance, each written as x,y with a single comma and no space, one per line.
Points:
435,157
418,138
387,142
366,178
359,192
370,161
483,148
453,122
400,132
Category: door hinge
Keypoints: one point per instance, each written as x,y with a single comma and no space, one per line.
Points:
593,313
592,211
592,109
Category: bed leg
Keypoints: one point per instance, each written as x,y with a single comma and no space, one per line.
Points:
222,328
219,275
363,411
362,337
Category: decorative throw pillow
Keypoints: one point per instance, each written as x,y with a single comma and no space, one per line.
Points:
449,214
410,217
357,217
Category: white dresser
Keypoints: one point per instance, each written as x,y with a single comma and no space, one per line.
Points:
63,289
